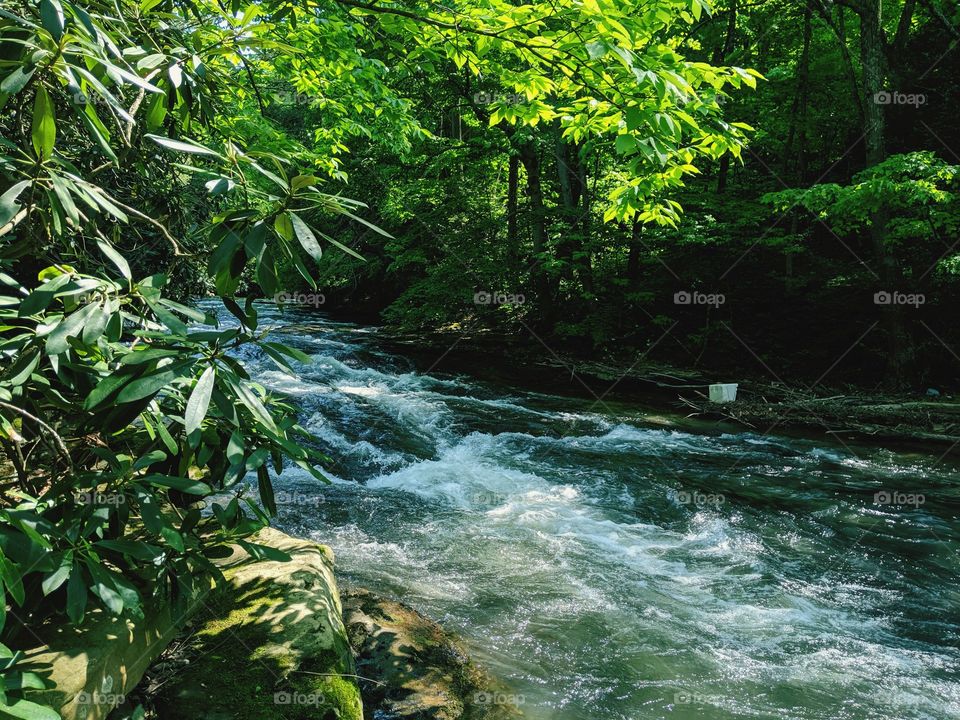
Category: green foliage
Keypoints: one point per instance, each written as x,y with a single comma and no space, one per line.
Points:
152,148
918,190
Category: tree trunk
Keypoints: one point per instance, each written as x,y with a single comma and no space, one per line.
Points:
719,58
513,182
530,159
633,258
872,47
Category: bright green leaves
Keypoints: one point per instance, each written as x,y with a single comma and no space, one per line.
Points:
8,202
306,237
44,126
51,16
70,326
199,400
26,710
184,146
116,258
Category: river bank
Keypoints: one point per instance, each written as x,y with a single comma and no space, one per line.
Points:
279,638
928,421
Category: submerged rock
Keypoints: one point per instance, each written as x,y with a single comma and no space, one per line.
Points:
412,669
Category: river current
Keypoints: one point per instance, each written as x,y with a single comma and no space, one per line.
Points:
608,566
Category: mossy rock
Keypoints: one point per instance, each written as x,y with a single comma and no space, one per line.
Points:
413,669
268,645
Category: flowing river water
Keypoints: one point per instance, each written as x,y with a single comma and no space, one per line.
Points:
609,567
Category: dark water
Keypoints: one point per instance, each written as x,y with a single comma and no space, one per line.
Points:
609,568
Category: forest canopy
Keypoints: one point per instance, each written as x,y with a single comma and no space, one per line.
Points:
158,151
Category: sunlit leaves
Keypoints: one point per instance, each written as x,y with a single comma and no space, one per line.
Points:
199,400
44,127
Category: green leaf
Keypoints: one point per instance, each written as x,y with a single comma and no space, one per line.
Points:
348,251
105,589
12,578
105,388
116,258
634,117
626,144
266,490
41,298
8,202
156,112
151,384
76,595
44,129
263,552
283,226
137,550
199,400
17,80
182,146
22,367
96,323
56,578
51,16
70,326
290,352
186,485
27,710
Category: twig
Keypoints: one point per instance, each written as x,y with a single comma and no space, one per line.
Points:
159,225
358,677
58,441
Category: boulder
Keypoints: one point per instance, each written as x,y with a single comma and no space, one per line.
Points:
93,666
271,644
412,669
268,643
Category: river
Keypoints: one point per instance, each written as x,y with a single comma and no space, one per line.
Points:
609,567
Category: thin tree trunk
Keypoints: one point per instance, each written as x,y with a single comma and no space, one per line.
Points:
804,90
872,59
718,58
530,159
513,182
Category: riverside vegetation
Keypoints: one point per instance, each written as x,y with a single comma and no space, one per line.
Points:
154,151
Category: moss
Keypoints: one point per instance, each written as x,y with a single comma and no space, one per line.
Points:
255,658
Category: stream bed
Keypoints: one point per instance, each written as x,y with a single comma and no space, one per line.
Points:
607,566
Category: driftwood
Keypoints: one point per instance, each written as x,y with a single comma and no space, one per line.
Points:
901,419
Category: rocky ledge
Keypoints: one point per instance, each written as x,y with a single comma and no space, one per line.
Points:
412,669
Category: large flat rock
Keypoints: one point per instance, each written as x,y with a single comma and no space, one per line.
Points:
269,643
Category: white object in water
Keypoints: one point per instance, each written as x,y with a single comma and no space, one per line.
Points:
723,392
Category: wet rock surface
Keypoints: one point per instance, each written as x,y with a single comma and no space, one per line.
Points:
412,669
